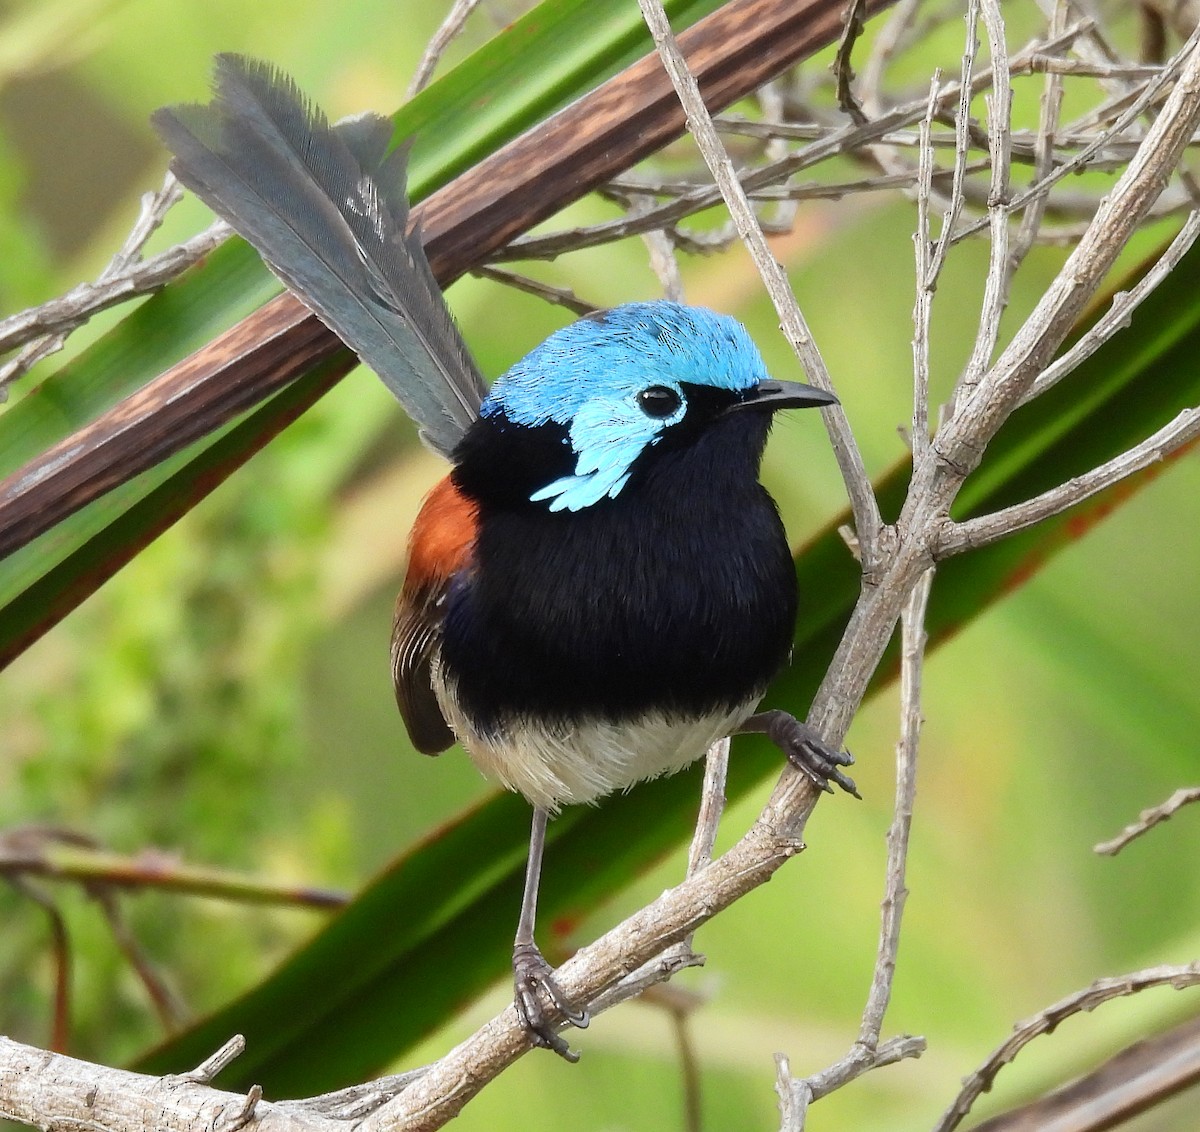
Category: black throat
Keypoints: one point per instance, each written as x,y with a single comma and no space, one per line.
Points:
677,595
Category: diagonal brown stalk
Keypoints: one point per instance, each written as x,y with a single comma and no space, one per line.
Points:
732,52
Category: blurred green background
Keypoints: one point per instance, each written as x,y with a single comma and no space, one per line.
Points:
226,697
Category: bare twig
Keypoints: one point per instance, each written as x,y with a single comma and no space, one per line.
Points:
215,1063
826,144
868,522
1150,95
868,1052
61,854
355,1101
234,1121
912,656
560,296
843,72
658,969
995,290
712,805
450,27
1048,1020
681,955
890,39
60,1027
962,143
793,1099
1119,313
986,529
689,1064
1080,68
661,243
661,248
1130,1082
171,1011
925,284
802,1091
1048,119
1148,819
42,330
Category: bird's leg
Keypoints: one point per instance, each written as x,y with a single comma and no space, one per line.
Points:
804,748
532,975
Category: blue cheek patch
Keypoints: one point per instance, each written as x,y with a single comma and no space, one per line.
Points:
574,493
608,435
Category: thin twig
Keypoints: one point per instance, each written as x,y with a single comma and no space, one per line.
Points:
682,955
689,1066
1120,312
450,27
793,1098
658,969
235,1121
661,248
712,806
1131,1082
868,522
843,72
1048,1020
984,530
206,1072
1080,68
995,290
1148,819
858,1061
889,40
60,1027
661,243
560,296
1048,119
63,854
926,282
772,103
868,1052
1151,94
355,1101
959,446
912,656
962,145
169,1007
43,330
826,145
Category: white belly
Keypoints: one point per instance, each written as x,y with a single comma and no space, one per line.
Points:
558,766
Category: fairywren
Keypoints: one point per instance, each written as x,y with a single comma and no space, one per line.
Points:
601,588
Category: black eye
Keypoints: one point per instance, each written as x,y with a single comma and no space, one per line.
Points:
659,401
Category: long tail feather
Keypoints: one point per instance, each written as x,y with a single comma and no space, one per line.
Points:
328,212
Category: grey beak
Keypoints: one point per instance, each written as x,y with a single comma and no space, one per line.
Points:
772,395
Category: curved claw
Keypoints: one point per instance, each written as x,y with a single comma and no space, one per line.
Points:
805,750
534,983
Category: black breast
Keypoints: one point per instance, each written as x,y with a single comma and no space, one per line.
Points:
678,594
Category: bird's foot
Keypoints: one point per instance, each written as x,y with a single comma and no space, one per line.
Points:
535,984
805,749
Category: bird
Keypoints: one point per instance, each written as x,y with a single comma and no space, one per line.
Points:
600,588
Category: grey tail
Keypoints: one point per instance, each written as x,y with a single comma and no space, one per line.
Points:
327,210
